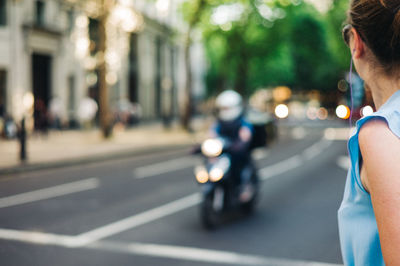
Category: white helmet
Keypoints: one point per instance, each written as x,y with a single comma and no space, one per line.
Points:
229,104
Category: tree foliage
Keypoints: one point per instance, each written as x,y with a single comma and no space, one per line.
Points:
272,42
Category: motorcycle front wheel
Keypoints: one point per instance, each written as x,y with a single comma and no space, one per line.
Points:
209,217
249,207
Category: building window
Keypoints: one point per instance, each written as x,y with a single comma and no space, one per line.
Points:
3,87
3,12
40,13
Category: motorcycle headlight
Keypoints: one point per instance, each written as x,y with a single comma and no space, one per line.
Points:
216,174
212,147
201,174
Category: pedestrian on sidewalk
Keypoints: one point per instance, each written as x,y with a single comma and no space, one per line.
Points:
369,217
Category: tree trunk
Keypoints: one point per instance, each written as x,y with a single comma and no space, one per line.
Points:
188,100
105,119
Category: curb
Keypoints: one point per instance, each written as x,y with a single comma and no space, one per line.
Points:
92,159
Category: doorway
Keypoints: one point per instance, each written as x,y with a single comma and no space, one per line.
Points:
41,87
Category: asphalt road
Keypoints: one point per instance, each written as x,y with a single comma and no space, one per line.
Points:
144,210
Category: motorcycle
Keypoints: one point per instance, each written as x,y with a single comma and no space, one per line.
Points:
222,189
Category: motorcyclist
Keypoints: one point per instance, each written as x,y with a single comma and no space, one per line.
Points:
232,125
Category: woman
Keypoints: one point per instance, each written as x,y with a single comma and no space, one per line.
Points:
369,217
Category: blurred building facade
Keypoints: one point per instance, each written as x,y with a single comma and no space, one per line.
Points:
49,49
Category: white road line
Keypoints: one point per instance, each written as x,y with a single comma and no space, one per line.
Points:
260,154
134,221
50,192
316,149
164,167
280,168
104,231
338,133
343,162
198,254
298,133
38,238
295,161
153,250
140,219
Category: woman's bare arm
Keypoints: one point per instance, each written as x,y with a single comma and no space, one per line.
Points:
380,150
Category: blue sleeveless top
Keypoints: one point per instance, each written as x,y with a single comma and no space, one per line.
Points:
359,238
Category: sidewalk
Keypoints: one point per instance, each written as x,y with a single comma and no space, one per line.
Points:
61,148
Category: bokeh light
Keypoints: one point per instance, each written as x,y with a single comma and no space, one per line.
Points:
367,110
282,111
312,113
322,113
343,112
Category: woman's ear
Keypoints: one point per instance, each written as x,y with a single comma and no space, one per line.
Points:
357,45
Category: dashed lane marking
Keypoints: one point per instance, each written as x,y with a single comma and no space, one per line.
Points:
295,161
260,154
343,162
298,133
50,192
338,133
280,168
163,167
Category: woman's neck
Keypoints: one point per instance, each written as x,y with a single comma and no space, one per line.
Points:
382,89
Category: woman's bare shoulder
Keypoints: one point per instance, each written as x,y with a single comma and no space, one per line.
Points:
376,134
380,149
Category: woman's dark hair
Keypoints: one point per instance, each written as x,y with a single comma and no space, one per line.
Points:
378,23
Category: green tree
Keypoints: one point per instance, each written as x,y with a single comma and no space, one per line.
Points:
281,42
309,50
